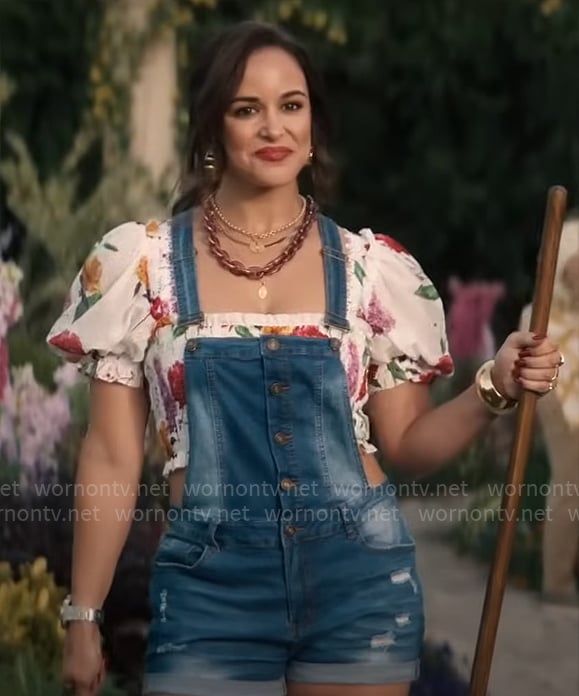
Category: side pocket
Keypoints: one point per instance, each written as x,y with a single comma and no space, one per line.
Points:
178,554
381,525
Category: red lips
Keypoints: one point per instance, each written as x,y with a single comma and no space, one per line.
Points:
273,154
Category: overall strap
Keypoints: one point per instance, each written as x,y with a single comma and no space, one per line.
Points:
335,274
184,269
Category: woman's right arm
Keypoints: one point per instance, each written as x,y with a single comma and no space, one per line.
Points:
107,479
105,326
108,475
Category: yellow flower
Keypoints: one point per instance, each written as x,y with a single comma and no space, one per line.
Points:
308,19
277,330
143,272
42,600
285,10
95,74
337,35
91,275
60,631
103,94
38,568
549,7
152,228
5,572
320,19
165,439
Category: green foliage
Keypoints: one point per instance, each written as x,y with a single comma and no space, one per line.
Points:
25,348
24,677
29,615
62,227
47,50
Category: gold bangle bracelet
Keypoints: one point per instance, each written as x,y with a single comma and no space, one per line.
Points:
487,392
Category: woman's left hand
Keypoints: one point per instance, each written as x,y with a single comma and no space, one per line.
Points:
526,361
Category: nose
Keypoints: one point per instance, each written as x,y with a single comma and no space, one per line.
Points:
272,126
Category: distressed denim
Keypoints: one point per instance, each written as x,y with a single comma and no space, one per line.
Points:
282,563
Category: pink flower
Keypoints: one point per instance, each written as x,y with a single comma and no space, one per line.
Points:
310,331
4,368
66,376
158,309
427,377
353,368
392,243
445,365
363,391
176,377
379,318
67,341
31,429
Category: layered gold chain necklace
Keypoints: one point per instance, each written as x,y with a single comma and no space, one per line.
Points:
257,241
296,240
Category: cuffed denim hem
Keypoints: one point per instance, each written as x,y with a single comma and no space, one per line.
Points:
353,672
188,684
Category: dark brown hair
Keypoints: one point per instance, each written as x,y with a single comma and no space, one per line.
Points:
218,72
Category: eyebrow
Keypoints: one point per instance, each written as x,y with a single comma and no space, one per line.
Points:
285,95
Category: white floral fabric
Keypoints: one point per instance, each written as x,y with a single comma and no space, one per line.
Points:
119,323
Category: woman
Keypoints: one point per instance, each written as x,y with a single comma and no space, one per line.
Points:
267,340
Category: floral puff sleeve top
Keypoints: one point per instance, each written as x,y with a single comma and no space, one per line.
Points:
120,324
106,322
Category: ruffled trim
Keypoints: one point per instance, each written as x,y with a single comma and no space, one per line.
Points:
179,461
113,368
220,320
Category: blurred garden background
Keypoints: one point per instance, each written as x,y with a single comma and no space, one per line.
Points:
453,117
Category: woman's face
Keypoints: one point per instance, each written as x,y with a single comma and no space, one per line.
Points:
268,125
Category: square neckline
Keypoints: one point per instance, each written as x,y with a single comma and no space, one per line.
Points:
289,319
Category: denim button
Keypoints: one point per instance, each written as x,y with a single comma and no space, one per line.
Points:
287,484
291,530
272,344
282,438
191,344
277,388
335,343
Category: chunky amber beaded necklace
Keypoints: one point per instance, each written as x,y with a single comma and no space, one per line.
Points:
211,221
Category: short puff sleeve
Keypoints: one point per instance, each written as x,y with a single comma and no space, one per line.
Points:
405,312
106,322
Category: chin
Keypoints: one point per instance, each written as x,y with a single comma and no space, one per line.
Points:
275,180
267,176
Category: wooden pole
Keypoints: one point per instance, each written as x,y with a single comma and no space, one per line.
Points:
547,263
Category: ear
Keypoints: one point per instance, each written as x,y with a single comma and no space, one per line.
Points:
454,285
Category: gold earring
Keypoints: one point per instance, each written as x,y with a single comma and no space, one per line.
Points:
209,161
311,156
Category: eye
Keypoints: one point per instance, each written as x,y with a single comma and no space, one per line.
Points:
244,111
292,106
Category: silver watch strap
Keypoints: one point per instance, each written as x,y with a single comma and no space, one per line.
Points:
71,612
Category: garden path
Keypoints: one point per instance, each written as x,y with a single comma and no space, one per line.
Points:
537,647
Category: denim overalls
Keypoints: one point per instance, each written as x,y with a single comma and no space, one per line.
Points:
282,563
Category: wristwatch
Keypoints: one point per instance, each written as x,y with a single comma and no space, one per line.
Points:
71,612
